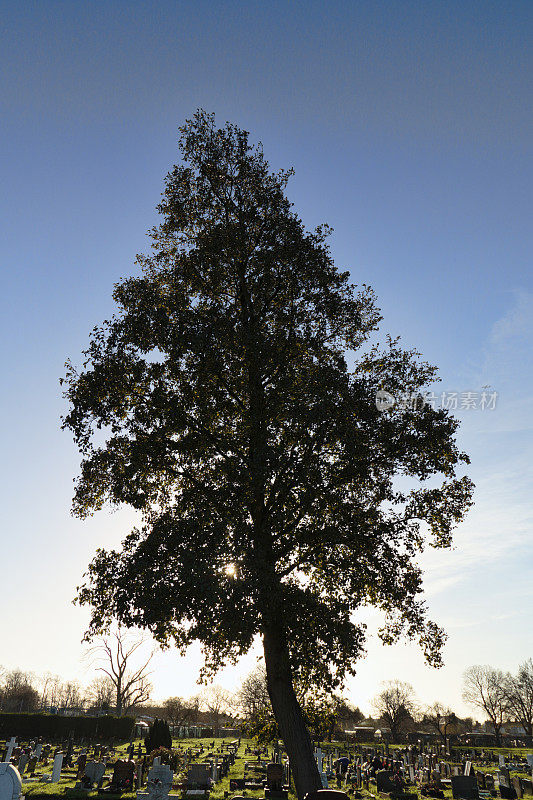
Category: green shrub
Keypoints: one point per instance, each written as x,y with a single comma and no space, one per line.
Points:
158,736
54,726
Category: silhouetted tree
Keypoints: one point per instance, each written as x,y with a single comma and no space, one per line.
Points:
395,705
485,688
131,685
519,694
220,404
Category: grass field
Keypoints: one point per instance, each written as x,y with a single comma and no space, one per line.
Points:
65,787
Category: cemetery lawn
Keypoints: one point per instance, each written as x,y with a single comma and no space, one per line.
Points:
33,790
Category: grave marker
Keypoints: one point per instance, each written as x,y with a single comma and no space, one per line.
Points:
10,747
464,787
159,782
56,769
10,782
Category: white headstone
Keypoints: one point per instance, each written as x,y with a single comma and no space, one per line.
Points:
10,782
10,747
38,751
56,769
157,761
159,782
95,771
501,759
319,761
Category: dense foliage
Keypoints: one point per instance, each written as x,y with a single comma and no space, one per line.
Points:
56,727
220,404
158,736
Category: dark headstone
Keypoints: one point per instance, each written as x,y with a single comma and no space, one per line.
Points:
385,782
507,791
517,786
274,777
464,787
326,794
123,775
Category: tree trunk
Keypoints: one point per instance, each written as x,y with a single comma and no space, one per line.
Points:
118,706
497,734
288,713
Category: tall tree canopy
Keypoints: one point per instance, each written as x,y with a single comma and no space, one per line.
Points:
220,404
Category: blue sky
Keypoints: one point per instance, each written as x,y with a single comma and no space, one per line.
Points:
409,125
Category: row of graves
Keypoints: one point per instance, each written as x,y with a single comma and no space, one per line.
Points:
266,773
39,762
398,773
191,772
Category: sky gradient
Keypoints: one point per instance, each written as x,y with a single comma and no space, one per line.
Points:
409,126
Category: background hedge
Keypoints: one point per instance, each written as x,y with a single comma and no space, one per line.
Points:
55,727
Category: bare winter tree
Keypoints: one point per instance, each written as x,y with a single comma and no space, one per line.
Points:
220,703
178,711
71,695
253,695
114,656
439,718
49,691
18,692
486,688
519,693
396,706
101,693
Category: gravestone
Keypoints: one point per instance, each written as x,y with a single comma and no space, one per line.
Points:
123,774
517,786
464,787
81,764
527,786
94,770
56,769
68,756
159,782
198,776
274,781
504,777
529,758
385,782
38,752
489,782
10,782
10,747
329,794
23,761
507,791
32,764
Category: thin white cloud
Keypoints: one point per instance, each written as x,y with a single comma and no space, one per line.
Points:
517,322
